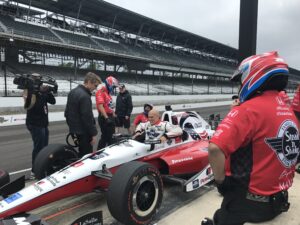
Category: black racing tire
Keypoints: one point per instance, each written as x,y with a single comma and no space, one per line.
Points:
53,158
135,193
4,177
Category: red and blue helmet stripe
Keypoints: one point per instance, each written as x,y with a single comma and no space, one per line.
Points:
256,70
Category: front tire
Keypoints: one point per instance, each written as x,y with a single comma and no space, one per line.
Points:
53,158
135,193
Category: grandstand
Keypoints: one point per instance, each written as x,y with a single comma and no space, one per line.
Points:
65,39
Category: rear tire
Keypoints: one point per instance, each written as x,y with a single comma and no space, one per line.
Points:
53,158
135,193
4,177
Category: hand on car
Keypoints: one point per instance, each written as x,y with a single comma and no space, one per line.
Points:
93,141
163,139
136,135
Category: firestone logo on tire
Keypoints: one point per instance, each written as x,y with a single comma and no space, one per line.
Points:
286,144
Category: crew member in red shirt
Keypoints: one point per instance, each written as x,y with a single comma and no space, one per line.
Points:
142,117
104,105
296,103
254,150
296,108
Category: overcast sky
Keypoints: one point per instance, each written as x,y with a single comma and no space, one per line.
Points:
278,25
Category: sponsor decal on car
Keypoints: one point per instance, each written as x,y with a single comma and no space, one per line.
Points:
209,171
37,188
195,183
41,182
198,125
13,198
99,156
52,180
174,161
94,218
206,179
65,172
78,164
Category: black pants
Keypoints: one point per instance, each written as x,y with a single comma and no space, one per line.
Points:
40,138
107,131
236,209
85,146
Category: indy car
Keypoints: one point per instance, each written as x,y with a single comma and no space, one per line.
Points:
131,172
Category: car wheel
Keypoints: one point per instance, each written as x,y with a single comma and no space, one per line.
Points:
4,177
52,158
135,193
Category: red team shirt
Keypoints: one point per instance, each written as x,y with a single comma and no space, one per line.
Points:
261,135
296,100
140,118
102,97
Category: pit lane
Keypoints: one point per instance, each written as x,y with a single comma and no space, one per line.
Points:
15,153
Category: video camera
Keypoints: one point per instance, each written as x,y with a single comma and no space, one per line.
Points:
34,82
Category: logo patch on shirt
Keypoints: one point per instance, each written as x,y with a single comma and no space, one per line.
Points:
233,113
279,100
153,133
286,144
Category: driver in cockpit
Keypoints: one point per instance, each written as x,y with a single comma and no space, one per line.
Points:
155,129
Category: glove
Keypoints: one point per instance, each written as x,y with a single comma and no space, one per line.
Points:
224,186
109,121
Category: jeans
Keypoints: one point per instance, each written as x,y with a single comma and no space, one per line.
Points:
40,138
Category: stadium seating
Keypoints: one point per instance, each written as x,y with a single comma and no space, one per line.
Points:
137,84
26,29
154,53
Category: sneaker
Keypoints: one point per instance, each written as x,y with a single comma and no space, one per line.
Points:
207,221
32,176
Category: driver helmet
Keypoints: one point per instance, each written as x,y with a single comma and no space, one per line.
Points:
149,106
261,72
111,82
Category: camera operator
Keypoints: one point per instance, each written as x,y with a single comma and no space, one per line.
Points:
37,116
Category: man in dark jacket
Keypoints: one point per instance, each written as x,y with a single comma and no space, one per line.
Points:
79,113
37,117
123,109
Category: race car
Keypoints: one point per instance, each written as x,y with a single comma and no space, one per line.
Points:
131,172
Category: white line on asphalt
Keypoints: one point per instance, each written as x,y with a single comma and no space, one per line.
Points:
20,171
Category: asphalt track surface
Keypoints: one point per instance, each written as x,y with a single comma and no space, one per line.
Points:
15,153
